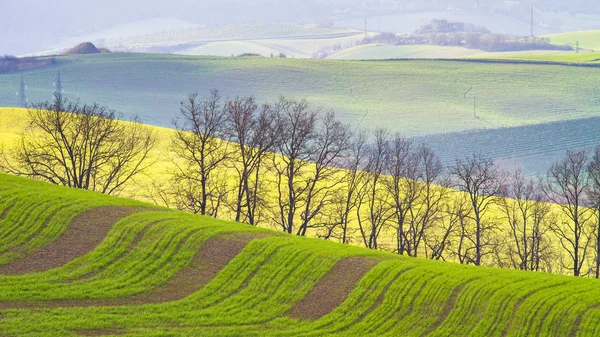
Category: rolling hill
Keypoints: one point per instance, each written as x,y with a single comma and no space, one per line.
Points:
76,263
541,57
386,52
588,39
414,97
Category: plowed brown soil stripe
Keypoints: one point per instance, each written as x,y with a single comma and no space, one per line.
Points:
87,230
333,288
212,256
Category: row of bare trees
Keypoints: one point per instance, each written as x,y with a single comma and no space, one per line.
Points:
290,166
83,146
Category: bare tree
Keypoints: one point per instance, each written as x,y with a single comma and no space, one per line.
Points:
566,185
526,214
431,191
331,142
82,146
347,197
594,202
200,150
374,193
296,127
481,181
446,238
401,166
253,129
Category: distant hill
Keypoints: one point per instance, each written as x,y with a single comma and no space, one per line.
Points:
85,48
589,39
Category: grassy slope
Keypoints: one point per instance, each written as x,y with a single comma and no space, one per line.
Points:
414,97
386,52
560,57
251,295
589,39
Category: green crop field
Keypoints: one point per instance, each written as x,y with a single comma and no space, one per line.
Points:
413,96
386,52
76,263
534,148
588,39
559,57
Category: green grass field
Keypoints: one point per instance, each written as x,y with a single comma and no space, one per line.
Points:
588,39
386,52
414,97
557,57
137,270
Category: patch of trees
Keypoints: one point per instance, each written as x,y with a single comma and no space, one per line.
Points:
296,168
486,42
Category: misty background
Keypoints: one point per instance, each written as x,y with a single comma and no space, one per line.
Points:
30,26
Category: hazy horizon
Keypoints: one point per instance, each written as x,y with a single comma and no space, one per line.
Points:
30,26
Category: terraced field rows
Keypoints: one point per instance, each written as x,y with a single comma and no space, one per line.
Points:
156,272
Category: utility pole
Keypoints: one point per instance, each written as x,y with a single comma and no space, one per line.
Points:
21,93
577,47
532,21
365,28
474,106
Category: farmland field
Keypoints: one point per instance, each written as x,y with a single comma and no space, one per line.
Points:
148,271
383,52
414,97
589,39
534,148
559,57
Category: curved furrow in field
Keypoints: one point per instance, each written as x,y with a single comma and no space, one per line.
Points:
86,231
448,306
399,293
87,275
394,323
382,288
520,302
213,255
